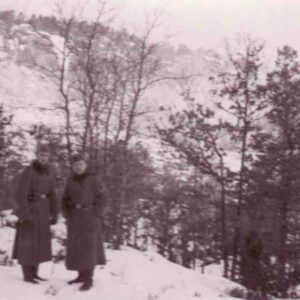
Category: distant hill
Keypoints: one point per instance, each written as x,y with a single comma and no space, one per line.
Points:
30,95
20,44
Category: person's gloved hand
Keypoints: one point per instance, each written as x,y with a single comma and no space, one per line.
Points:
53,221
102,212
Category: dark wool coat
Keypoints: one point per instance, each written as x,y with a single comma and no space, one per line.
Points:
85,247
36,202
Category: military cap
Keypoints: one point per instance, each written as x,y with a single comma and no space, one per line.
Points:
78,157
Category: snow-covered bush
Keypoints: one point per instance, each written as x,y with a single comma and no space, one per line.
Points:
59,234
8,219
294,293
5,260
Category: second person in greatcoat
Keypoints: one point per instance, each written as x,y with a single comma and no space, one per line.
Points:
83,204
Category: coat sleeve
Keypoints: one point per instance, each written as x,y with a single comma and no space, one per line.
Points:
66,201
100,202
53,200
22,193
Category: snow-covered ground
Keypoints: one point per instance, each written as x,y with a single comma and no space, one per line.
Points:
128,275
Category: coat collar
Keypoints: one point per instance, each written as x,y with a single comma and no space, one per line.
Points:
39,167
79,177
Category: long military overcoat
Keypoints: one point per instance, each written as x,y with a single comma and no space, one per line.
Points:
83,204
37,203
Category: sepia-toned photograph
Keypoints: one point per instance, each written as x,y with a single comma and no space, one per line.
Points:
149,149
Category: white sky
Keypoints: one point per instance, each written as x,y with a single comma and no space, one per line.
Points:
203,23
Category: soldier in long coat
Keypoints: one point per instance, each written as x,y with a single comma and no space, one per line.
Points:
37,209
83,205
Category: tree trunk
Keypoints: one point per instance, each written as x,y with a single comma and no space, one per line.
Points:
223,229
237,233
284,200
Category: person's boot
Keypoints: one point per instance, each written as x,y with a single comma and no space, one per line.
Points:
28,275
35,274
87,285
87,280
78,279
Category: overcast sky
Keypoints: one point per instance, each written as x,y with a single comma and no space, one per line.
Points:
202,23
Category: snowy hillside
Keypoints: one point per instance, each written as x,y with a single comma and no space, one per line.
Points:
27,94
30,96
24,87
128,275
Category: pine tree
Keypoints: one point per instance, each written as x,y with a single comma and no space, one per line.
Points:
10,158
283,96
240,95
194,133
